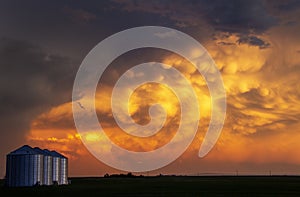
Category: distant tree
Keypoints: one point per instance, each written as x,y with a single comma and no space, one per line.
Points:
106,175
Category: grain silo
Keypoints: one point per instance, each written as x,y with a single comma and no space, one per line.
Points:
60,168
24,167
28,166
47,169
64,170
55,169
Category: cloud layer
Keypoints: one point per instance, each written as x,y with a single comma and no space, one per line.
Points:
255,45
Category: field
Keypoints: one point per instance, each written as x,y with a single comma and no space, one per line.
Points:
167,186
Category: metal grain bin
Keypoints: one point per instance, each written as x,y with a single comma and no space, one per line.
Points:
63,168
47,168
64,171
39,163
28,166
55,166
56,170
23,167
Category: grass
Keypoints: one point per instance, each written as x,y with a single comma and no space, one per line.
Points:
167,186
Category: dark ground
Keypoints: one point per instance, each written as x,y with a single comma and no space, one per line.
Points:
167,186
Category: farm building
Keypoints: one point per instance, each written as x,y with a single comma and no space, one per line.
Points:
29,166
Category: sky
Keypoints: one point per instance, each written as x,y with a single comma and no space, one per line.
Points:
255,45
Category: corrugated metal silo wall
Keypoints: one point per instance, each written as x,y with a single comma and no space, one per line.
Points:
47,170
32,169
56,170
23,170
29,170
64,171
15,170
39,159
26,170
10,171
35,170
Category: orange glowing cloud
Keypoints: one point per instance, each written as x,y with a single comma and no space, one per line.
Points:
262,115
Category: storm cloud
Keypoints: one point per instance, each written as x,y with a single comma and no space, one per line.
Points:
255,44
32,81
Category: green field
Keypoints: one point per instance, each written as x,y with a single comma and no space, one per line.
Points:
167,186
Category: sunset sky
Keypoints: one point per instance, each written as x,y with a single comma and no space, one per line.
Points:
255,45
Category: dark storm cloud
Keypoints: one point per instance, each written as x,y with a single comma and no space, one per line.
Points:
226,43
32,81
253,41
238,16
290,23
288,5
79,15
71,28
230,16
